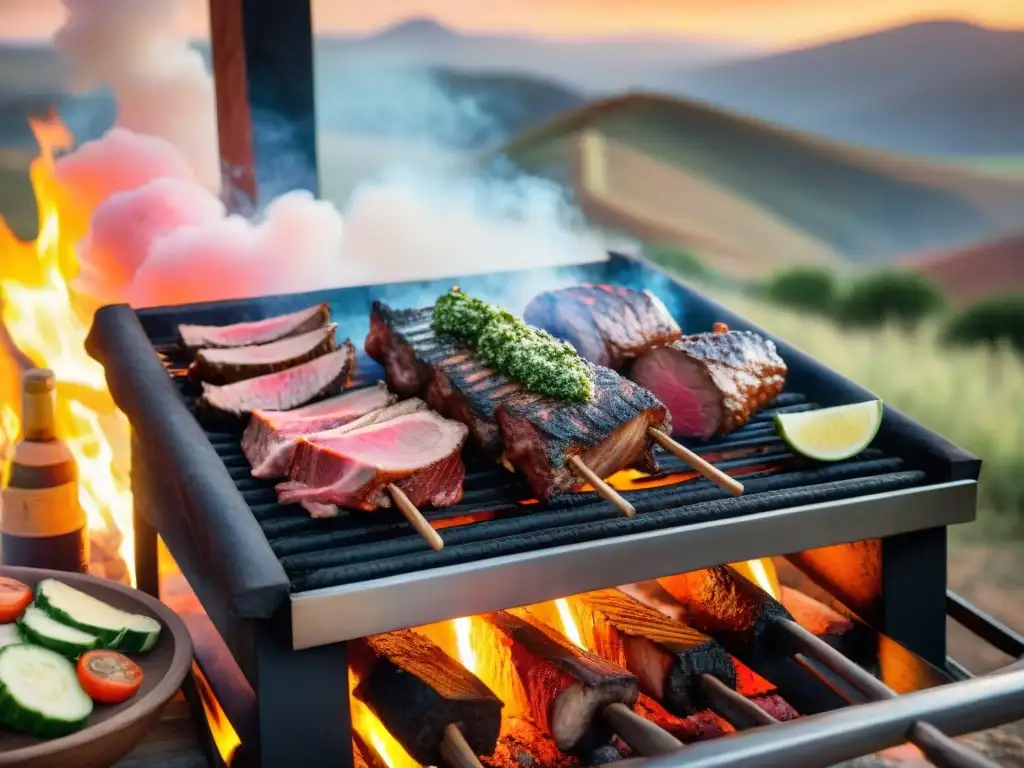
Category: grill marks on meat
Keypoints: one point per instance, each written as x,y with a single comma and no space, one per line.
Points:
567,688
418,452
536,433
293,387
608,433
227,365
256,332
270,437
609,325
714,382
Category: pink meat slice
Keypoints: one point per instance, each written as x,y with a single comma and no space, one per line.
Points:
278,458
257,332
269,434
419,452
218,365
293,387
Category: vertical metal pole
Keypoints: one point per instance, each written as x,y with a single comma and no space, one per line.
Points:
262,54
147,569
913,601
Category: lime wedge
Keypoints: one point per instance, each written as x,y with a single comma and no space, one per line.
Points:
831,434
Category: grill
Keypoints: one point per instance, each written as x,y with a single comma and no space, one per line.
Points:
286,591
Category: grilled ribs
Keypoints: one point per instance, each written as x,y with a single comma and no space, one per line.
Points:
609,325
714,382
537,434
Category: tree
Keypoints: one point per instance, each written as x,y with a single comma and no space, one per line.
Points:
890,296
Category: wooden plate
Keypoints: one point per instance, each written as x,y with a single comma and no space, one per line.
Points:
111,731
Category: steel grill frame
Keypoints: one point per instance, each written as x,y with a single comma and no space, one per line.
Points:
285,591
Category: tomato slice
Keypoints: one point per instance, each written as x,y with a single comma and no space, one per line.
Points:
108,677
14,599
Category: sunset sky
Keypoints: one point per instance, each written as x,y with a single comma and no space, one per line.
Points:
774,23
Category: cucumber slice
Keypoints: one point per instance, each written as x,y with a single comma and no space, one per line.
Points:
116,629
36,627
9,635
39,692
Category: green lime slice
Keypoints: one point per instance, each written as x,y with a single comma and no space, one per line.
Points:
831,434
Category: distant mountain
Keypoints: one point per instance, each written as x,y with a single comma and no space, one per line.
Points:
967,275
700,177
599,65
820,87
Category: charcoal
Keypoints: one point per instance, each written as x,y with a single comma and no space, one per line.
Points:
416,690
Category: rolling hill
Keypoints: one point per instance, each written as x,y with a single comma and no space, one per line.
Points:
716,174
969,274
821,88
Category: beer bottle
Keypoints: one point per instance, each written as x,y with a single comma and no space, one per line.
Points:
42,524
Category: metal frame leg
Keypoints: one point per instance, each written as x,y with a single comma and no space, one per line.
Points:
913,602
303,706
147,566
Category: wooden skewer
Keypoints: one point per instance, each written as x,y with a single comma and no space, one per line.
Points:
416,518
456,750
642,735
604,490
711,472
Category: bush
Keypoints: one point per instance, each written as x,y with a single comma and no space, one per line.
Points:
890,296
992,321
806,289
682,263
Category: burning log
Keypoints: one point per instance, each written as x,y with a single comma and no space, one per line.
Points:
431,704
668,658
577,697
725,604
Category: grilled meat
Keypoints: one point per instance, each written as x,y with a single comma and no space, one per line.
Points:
269,439
536,433
609,325
609,433
281,391
256,332
418,452
712,383
218,365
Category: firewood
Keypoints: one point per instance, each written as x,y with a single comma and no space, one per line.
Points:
667,656
567,688
416,690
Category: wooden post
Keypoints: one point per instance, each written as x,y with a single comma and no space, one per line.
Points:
262,54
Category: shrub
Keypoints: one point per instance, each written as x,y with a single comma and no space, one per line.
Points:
890,296
992,321
807,289
682,263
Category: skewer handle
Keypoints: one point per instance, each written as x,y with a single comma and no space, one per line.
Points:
604,490
416,518
455,750
740,711
710,471
642,735
939,748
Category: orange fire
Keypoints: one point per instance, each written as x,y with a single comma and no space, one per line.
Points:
375,734
48,325
224,736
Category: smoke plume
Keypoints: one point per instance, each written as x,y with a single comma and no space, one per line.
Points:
159,234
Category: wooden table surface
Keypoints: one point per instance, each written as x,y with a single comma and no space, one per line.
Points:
172,744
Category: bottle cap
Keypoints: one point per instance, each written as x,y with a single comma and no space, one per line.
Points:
39,381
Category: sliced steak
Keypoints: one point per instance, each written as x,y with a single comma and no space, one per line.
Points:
609,325
218,365
537,434
293,387
712,383
419,452
256,332
270,436
609,433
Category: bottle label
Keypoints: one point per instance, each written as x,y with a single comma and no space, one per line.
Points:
37,512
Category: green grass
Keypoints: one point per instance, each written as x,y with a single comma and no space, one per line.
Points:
973,397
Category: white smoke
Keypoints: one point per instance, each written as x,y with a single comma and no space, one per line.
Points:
161,85
159,234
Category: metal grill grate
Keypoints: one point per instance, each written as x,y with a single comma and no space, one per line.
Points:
496,516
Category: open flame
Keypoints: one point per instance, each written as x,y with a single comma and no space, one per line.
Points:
47,325
373,732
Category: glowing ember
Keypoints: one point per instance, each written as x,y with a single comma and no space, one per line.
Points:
48,326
